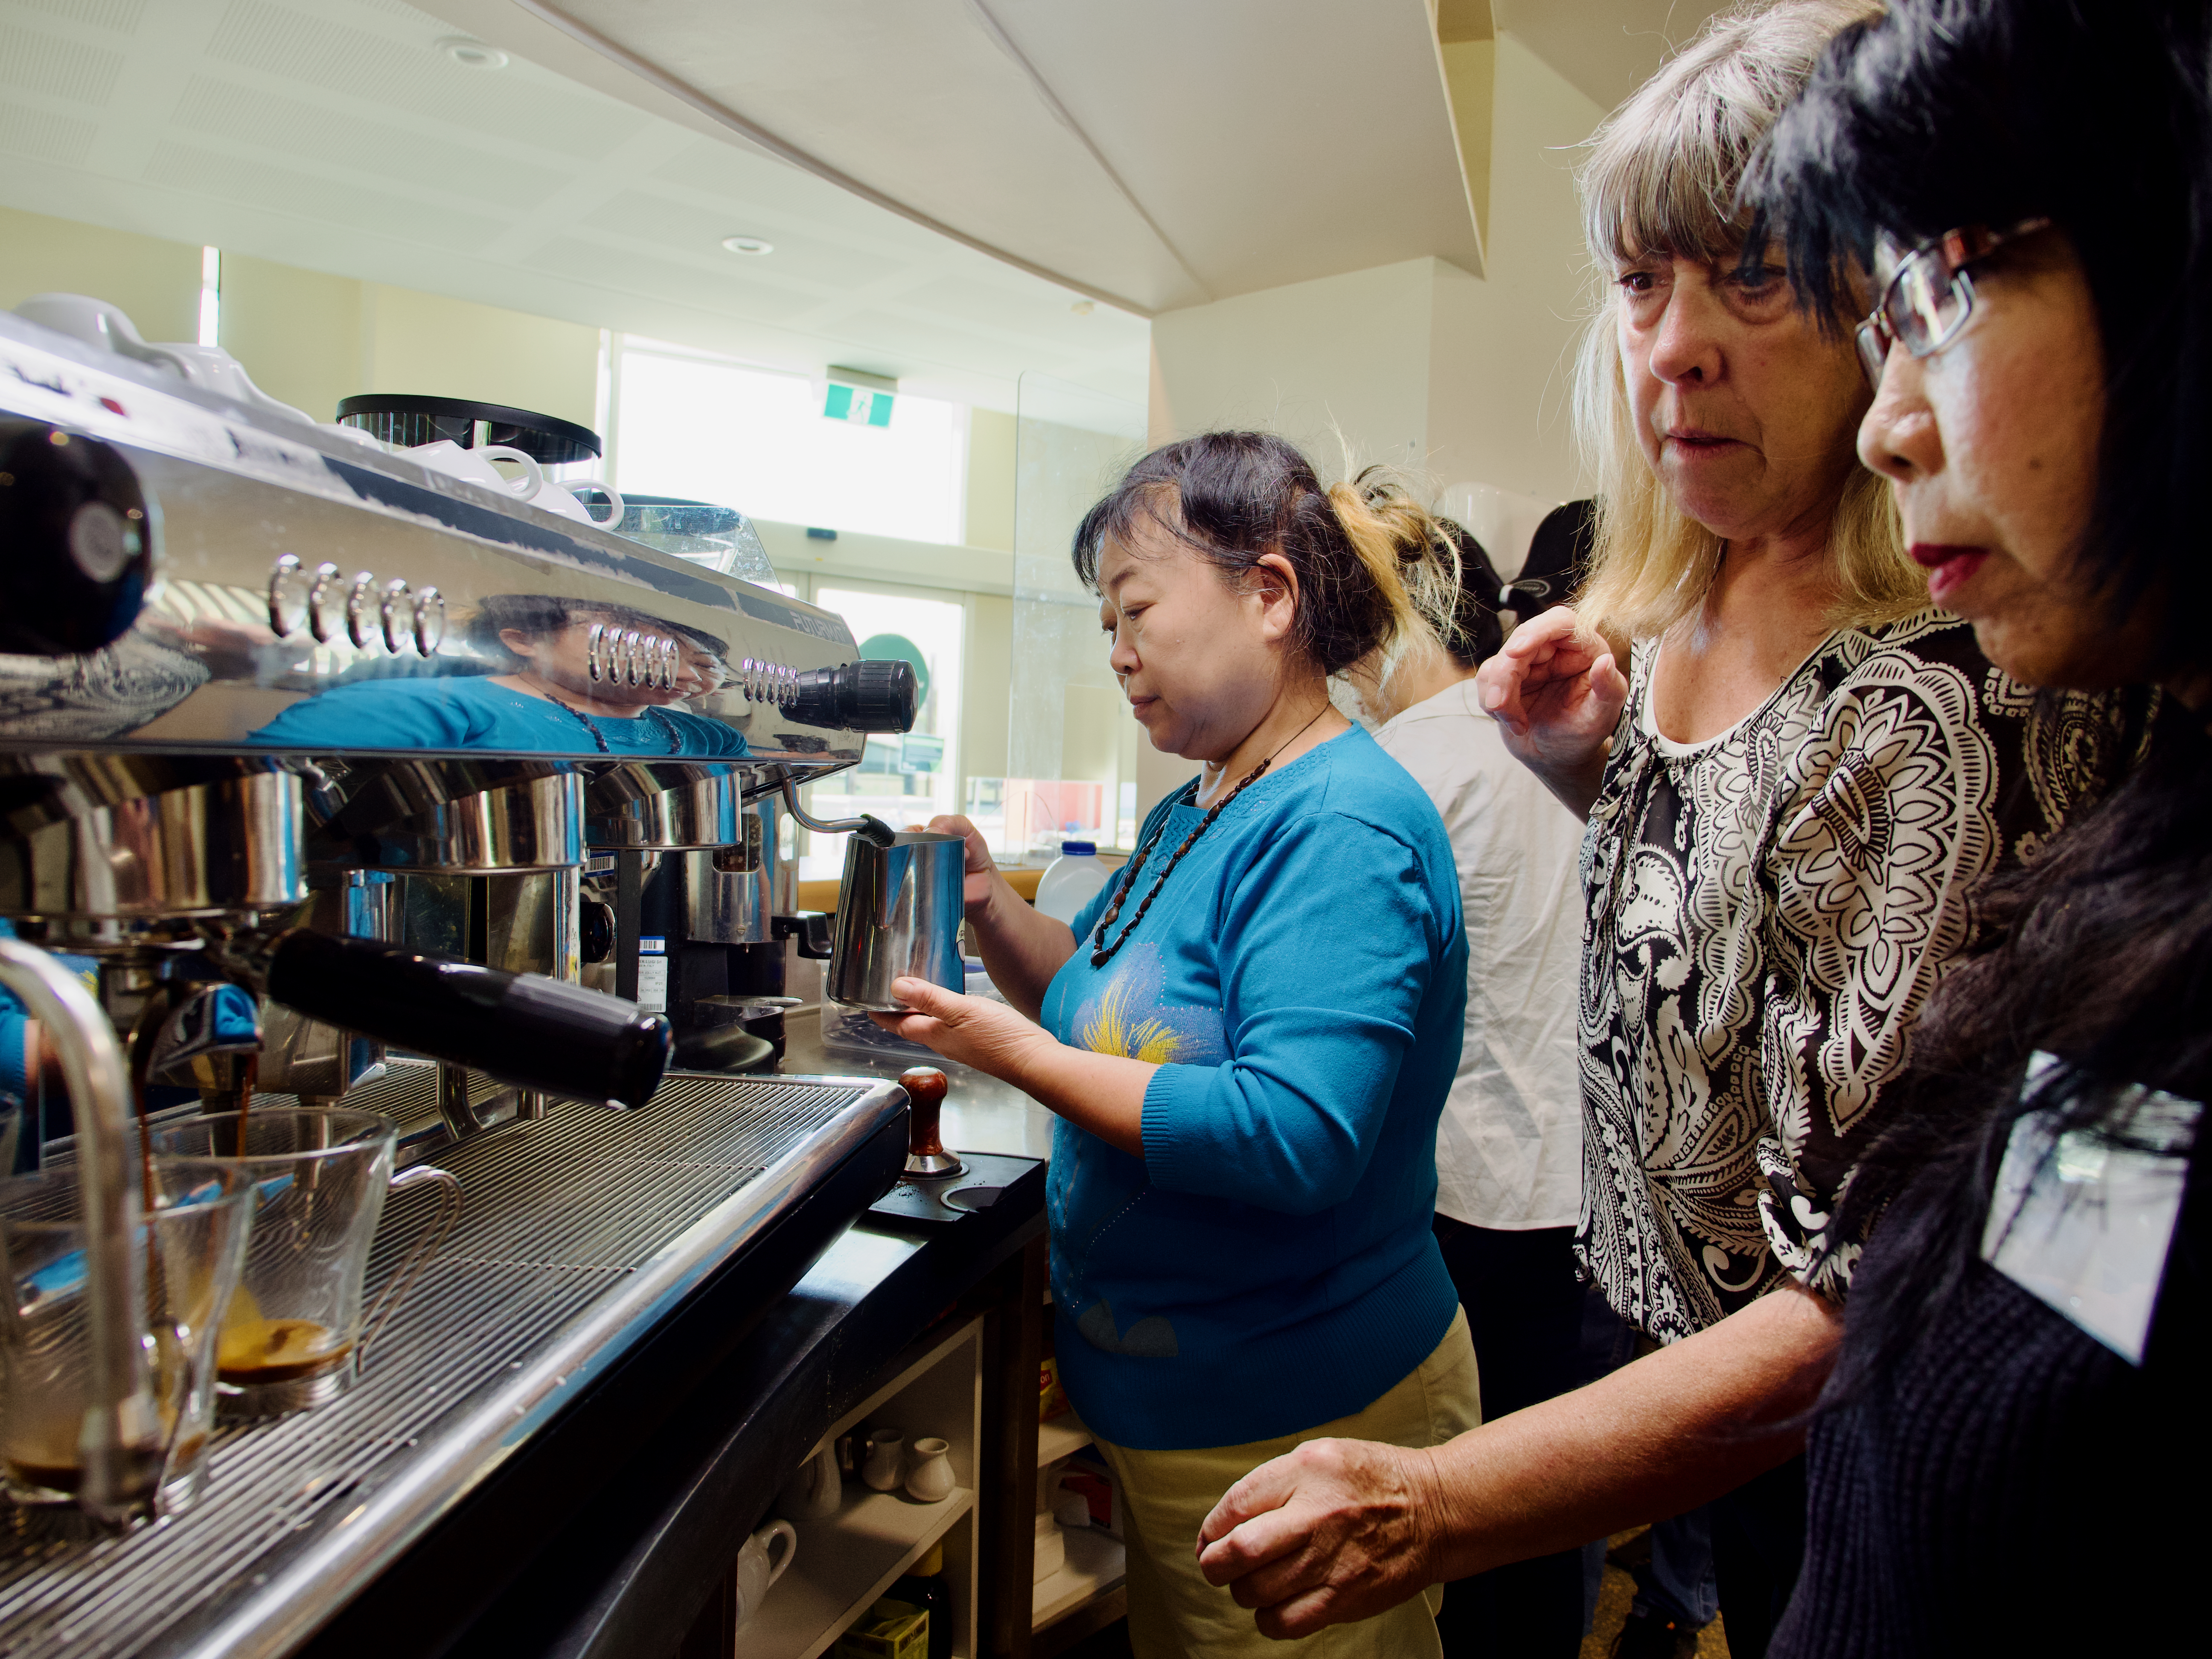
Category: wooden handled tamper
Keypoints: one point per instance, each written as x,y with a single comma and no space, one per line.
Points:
926,1156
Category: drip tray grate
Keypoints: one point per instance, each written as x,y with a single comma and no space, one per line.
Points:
559,1215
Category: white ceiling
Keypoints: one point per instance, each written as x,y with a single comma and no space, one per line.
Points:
333,134
1160,153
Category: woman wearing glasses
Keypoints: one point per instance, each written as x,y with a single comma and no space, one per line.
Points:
2023,1364
1791,795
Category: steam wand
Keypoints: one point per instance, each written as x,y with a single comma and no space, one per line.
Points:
867,826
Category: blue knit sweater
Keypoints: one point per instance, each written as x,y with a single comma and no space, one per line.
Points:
1267,1264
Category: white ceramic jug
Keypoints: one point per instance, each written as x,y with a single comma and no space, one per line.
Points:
758,1566
816,1491
930,1479
886,1460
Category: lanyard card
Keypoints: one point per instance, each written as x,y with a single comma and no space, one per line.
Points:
2083,1217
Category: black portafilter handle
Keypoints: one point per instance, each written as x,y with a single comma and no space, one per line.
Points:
524,1030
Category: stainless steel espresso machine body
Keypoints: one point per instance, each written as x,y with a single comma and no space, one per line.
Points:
282,710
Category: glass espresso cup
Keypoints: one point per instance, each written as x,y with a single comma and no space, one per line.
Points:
192,1243
296,1332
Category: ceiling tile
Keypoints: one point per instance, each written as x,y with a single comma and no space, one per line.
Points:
285,126
189,167
625,270
313,51
57,66
33,132
799,263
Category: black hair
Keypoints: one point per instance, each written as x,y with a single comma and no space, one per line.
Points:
2094,114
1558,560
1232,497
1476,634
539,614
2091,114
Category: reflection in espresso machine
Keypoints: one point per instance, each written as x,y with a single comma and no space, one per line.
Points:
310,838
535,671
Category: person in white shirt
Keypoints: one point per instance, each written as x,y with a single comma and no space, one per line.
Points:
1510,1145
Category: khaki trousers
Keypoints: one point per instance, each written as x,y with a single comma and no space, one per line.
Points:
1174,1613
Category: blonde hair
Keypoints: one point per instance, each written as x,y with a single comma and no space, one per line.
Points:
1414,563
1662,173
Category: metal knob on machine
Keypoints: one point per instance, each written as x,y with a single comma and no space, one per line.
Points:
926,1157
77,532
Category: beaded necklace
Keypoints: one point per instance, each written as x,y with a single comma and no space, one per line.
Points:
653,717
1101,952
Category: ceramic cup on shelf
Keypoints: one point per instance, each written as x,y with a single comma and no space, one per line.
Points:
476,465
760,1566
815,1491
562,495
930,1479
886,1460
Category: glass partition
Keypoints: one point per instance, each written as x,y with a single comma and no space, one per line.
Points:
1067,722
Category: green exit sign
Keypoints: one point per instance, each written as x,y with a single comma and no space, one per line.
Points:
858,406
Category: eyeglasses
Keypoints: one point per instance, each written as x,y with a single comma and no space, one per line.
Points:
1931,293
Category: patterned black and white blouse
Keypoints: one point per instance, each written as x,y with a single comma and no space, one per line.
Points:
1768,911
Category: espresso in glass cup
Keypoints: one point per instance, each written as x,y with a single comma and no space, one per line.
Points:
297,1326
191,1243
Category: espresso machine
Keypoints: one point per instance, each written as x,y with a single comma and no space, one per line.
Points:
264,728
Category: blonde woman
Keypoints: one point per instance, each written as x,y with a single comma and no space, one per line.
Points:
1791,795
1249,1034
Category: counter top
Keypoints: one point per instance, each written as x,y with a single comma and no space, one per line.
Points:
981,1114
627,1574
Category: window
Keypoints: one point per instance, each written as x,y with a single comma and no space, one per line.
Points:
756,439
901,779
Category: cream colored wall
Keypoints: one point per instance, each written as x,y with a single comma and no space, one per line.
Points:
990,479
1502,346
1470,70
307,337
1343,354
983,710
1420,364
441,346
157,283
297,332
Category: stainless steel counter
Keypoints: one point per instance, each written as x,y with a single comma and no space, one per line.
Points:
981,1114
581,1235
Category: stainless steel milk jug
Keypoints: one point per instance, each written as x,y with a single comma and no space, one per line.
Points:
898,912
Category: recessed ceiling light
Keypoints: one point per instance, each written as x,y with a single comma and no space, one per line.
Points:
1083,307
747,244
471,53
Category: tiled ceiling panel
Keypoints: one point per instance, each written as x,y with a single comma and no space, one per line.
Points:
338,135
395,151
313,51
264,184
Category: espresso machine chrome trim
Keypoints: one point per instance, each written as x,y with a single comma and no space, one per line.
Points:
525,826
292,565
662,805
229,847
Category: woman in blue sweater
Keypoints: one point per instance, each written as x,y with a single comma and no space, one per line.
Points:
1248,1036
